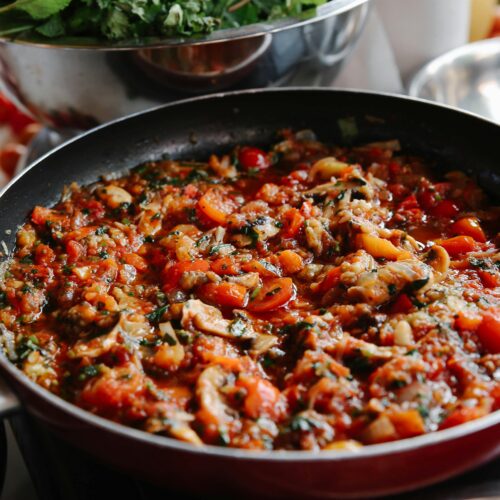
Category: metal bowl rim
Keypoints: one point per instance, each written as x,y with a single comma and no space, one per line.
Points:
371,451
430,69
329,9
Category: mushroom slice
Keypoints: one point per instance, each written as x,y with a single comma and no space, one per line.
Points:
208,387
262,343
378,286
176,424
437,257
326,168
185,433
129,329
114,196
209,319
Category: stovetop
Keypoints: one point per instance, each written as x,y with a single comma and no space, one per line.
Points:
61,472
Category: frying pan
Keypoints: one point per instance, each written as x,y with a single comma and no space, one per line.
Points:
193,129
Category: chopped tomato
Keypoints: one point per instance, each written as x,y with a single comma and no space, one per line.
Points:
96,208
290,261
136,260
74,250
225,266
224,294
489,331
462,415
469,226
331,280
113,390
408,423
173,272
409,203
216,206
399,191
42,215
44,255
402,304
458,245
394,168
467,320
292,223
273,294
445,208
427,199
253,158
490,279
262,398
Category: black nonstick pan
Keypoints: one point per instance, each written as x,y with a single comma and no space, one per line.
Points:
193,129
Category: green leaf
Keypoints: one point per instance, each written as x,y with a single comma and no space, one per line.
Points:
155,316
37,9
117,24
53,28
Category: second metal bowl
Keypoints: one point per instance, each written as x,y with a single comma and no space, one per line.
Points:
467,78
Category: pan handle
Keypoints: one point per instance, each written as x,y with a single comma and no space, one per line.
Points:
9,403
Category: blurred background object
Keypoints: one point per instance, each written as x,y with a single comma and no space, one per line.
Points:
483,13
467,78
420,30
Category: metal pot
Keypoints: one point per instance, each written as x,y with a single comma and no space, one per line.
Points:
193,129
467,77
82,85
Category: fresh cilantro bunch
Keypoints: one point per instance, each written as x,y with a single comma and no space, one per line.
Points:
138,19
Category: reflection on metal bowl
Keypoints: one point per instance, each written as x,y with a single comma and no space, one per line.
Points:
82,86
193,68
467,78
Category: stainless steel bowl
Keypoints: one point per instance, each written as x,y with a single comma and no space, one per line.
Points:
467,78
78,85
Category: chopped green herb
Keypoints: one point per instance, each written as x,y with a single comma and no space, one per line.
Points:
155,316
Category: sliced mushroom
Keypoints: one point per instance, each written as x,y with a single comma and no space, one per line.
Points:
439,260
380,284
129,329
250,280
170,354
114,196
326,168
175,424
262,343
210,399
209,319
192,279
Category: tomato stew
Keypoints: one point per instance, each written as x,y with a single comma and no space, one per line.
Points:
307,297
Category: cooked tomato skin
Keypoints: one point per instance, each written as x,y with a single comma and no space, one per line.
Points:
469,226
224,294
489,331
275,293
250,157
